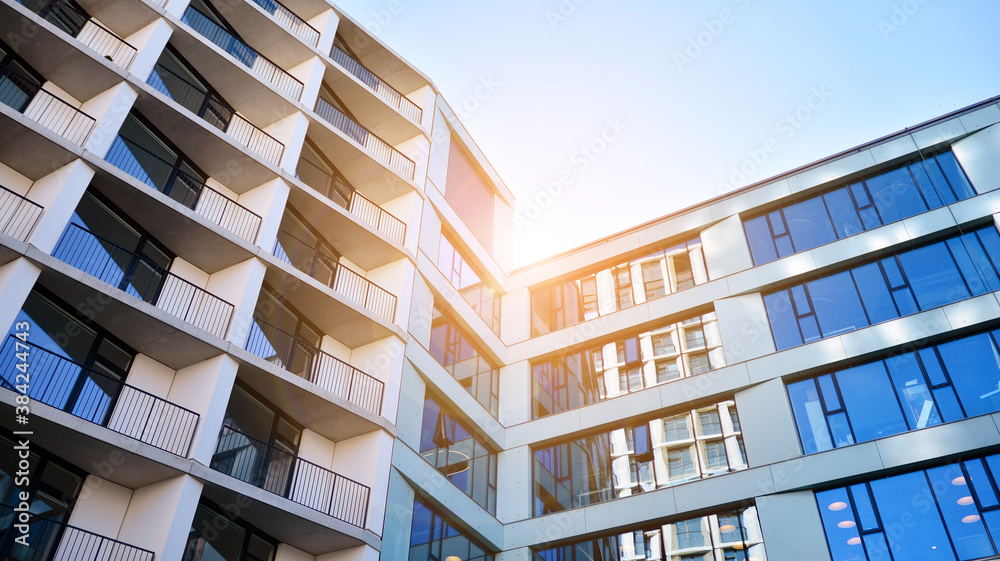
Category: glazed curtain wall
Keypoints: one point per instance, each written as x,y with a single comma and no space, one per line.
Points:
908,282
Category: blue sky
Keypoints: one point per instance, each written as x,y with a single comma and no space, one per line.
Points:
602,115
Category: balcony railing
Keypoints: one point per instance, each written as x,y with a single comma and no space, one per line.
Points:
409,109
283,473
326,270
51,539
99,398
183,188
78,24
375,146
18,215
243,53
216,113
345,195
311,364
287,19
143,279
26,96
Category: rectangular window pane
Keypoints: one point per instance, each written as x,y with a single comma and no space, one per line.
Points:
809,224
845,218
874,293
896,196
870,402
974,366
761,242
838,307
911,388
809,417
933,276
921,540
961,516
782,319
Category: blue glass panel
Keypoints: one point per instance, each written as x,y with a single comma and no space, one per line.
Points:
993,463
974,367
914,395
777,223
932,366
892,272
961,516
784,326
933,276
914,527
990,240
800,300
784,245
948,404
903,297
870,218
895,195
829,390
761,242
809,418
870,402
845,217
839,524
992,519
837,305
874,293
926,185
981,483
840,429
956,176
809,224
863,504
876,546
810,330
975,276
860,195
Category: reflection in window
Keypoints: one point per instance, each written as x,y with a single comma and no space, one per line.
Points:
460,356
432,537
639,458
483,299
214,536
686,348
887,197
947,511
732,535
448,445
898,285
664,272
905,392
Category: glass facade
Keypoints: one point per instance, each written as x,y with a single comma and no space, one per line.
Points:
729,536
677,350
643,457
943,513
888,196
663,272
482,298
216,535
460,356
904,392
905,283
448,445
432,538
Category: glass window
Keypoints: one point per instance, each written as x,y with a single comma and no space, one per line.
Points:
886,196
215,536
917,279
470,194
461,357
652,280
453,450
432,537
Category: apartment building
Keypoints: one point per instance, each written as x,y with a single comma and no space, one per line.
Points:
260,306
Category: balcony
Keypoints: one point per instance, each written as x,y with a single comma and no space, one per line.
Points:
386,92
51,539
18,215
290,21
26,96
346,196
325,269
99,398
79,25
183,188
309,363
373,145
216,113
243,53
280,472
143,279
